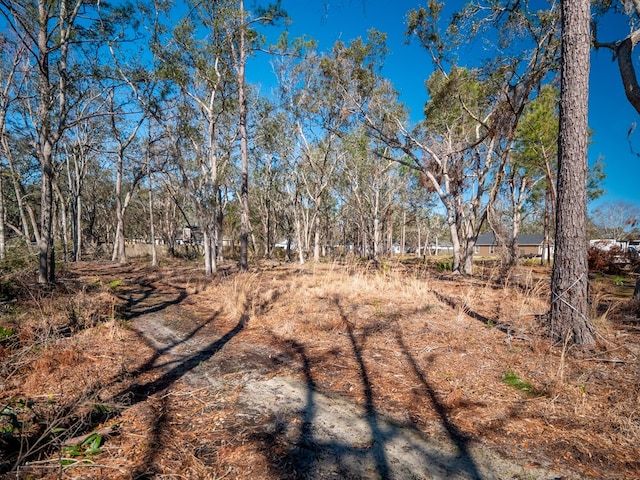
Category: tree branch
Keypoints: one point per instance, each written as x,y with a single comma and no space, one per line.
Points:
623,51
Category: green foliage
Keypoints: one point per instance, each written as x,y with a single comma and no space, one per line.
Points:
537,131
452,97
9,423
6,333
90,446
511,379
444,266
114,284
595,179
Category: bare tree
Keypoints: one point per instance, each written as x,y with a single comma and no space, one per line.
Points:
50,52
616,220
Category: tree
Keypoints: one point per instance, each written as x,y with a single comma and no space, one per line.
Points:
569,317
369,189
7,97
48,33
81,153
197,59
246,41
465,141
530,178
315,114
269,155
616,220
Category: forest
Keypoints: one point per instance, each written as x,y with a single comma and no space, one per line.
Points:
121,125
164,221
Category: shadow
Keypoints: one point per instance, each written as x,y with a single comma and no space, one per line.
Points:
145,470
311,434
302,460
158,352
461,441
139,297
312,455
379,437
138,393
503,327
134,306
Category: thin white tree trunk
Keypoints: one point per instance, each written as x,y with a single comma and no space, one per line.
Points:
152,230
3,246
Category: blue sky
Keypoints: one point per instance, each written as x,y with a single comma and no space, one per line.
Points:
610,114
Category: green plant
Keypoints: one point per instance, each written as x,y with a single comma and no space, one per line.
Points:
90,446
6,333
444,266
511,379
113,284
619,281
9,423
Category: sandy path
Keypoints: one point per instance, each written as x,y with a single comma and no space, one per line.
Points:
327,436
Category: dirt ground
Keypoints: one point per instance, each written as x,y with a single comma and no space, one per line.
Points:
326,372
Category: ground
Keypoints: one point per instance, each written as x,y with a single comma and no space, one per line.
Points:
328,371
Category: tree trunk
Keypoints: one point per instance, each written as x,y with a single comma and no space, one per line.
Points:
403,234
152,230
46,258
267,229
219,231
243,263
467,256
63,222
77,244
19,193
209,256
316,240
299,239
569,318
455,242
119,253
3,247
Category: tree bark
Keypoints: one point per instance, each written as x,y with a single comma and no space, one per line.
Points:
243,263
627,71
46,273
2,220
569,319
152,229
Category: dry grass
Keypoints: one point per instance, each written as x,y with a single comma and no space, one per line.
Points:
429,349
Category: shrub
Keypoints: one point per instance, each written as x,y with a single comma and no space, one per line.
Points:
607,261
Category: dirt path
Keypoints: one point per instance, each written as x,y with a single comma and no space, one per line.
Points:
315,372
313,434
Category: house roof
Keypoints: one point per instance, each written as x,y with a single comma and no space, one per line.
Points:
523,239
441,243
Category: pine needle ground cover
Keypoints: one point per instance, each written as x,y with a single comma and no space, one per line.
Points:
140,372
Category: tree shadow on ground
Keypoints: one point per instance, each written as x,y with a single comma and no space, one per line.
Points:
135,304
135,392
141,392
454,304
460,440
370,445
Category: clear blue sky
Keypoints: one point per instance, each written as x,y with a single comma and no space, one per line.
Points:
610,114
